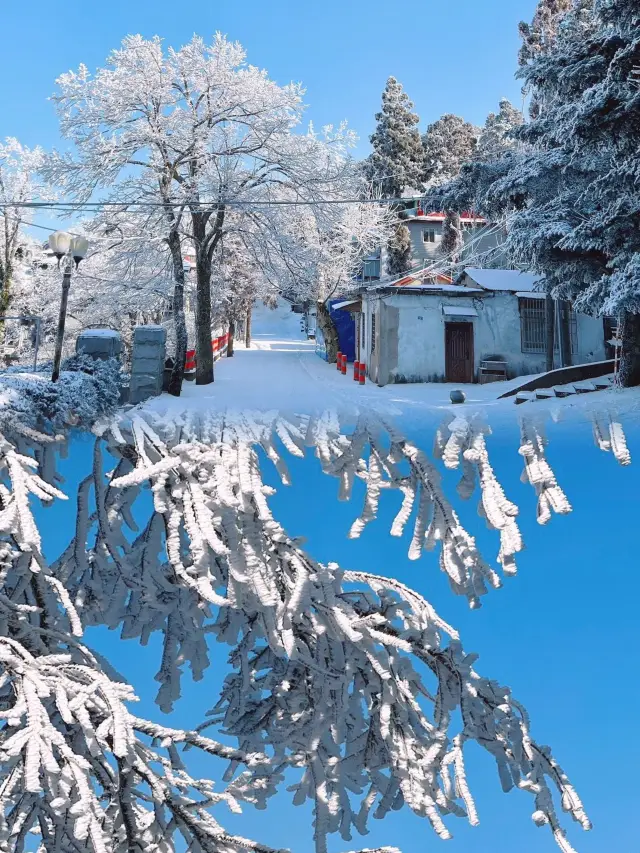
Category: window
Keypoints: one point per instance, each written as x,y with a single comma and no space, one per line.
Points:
428,235
373,333
532,327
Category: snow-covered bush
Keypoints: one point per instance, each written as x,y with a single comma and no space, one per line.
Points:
86,391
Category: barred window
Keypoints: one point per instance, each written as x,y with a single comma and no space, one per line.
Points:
532,326
428,235
373,333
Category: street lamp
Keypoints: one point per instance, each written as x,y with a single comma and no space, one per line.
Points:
72,250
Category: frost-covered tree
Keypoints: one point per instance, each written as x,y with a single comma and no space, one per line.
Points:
399,250
395,163
194,132
498,134
582,218
338,246
539,36
574,189
20,183
238,282
452,237
447,144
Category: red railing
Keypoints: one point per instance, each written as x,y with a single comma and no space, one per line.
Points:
218,345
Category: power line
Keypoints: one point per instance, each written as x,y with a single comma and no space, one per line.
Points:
73,207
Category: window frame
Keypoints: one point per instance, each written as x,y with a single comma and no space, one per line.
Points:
532,327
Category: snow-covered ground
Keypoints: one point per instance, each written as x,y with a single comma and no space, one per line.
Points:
281,371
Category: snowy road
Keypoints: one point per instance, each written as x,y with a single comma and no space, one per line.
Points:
281,371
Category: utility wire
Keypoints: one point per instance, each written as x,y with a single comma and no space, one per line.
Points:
72,207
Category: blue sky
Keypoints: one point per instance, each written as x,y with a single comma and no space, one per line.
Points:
561,634
451,57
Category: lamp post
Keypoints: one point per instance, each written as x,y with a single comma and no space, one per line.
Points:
73,250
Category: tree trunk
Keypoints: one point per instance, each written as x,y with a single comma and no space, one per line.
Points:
204,254
324,322
180,355
630,356
565,335
5,293
232,331
247,328
204,350
550,329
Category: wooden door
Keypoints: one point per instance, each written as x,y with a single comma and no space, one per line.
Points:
458,352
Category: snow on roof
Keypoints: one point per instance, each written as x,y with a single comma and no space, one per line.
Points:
337,305
436,216
513,280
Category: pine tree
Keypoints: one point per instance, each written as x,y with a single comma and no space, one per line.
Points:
576,190
540,35
399,251
448,144
497,135
396,160
452,239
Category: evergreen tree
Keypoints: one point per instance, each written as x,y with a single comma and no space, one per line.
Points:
399,251
396,161
540,35
452,239
497,135
448,143
576,191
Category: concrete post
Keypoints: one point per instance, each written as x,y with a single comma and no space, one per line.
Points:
99,343
147,363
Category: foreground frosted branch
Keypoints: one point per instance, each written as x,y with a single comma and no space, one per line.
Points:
349,678
538,472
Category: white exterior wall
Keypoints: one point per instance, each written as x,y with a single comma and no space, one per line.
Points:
410,345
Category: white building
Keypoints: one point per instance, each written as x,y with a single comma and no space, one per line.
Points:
424,329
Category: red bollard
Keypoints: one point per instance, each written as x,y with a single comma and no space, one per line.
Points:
339,361
344,364
362,374
356,371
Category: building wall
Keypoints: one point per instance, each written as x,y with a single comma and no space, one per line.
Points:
425,252
410,336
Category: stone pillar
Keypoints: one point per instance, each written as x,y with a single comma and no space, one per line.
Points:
147,363
99,343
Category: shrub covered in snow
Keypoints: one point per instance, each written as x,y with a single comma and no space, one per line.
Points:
86,391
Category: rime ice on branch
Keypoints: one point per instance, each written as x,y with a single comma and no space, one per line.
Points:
349,679
76,767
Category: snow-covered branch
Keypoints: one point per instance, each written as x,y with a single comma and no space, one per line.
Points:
348,678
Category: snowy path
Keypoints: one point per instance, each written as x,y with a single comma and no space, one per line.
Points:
281,371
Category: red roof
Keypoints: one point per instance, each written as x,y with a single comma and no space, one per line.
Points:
467,216
423,278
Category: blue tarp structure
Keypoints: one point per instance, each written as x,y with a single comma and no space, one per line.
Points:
346,327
